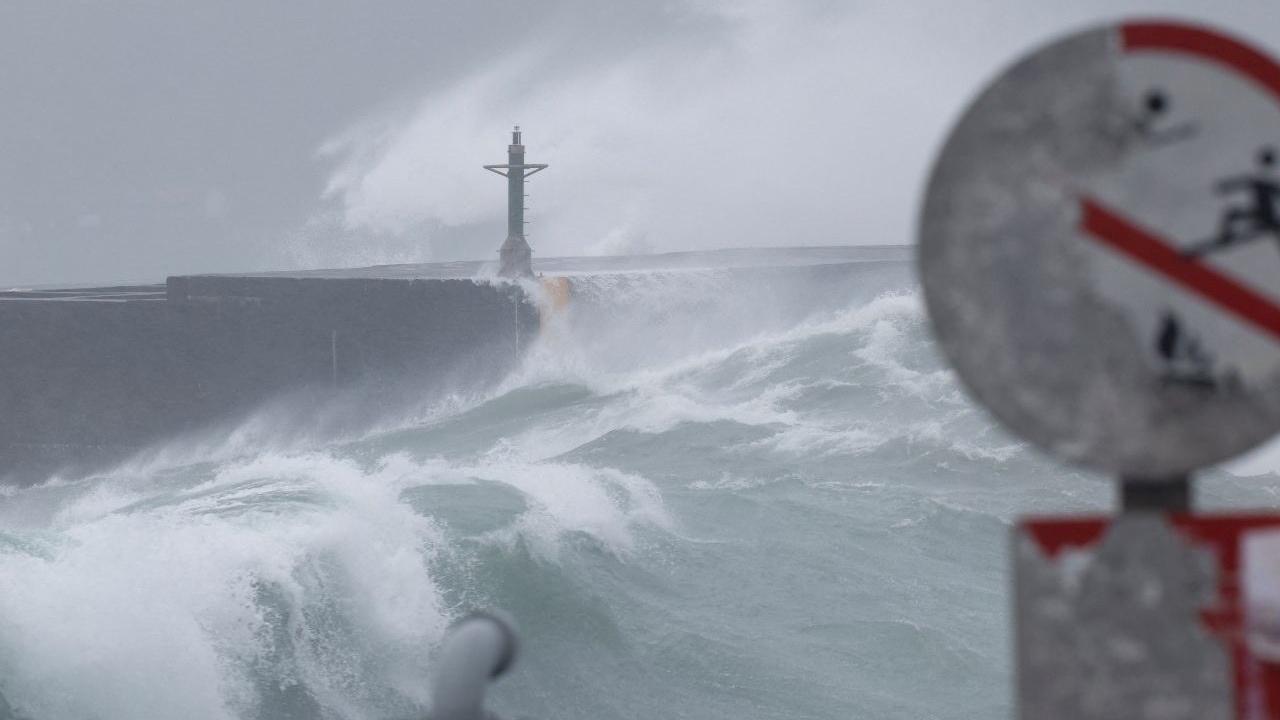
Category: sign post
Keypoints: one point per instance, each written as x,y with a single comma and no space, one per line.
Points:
1100,253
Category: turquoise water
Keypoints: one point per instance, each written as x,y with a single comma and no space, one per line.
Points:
705,494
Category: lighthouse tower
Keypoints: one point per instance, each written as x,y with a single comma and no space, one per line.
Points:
515,255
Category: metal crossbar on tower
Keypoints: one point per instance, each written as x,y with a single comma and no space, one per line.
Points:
515,256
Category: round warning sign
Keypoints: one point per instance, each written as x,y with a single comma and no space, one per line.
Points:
1100,248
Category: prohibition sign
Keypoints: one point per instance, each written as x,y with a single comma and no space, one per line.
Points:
1100,248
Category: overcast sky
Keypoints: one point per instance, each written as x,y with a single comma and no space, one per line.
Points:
142,139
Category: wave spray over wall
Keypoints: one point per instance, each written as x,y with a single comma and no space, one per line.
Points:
725,494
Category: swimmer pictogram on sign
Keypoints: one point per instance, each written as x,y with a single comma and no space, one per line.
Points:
1149,122
1100,252
1252,212
1100,248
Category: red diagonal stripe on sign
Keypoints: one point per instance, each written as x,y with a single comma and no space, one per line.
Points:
1162,257
1204,44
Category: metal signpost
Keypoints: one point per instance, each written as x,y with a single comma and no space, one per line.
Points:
1100,252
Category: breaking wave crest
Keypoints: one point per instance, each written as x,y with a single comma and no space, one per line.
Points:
706,493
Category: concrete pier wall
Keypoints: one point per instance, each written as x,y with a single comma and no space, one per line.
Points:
93,376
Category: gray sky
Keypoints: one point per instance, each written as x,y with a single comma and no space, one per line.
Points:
141,139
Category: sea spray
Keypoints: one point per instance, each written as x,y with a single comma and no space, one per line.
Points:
708,494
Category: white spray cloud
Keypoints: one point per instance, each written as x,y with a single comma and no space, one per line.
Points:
770,133
791,123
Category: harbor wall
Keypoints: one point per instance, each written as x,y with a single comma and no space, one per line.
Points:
86,380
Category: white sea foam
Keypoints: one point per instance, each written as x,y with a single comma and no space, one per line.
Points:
730,463
153,610
603,504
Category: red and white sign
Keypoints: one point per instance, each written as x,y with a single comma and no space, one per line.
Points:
1100,248
1236,613
1188,229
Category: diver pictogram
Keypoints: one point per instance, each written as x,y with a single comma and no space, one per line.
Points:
1150,122
1068,208
1246,223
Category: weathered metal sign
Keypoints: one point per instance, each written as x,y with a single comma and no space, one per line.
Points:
1100,252
1100,248
1148,617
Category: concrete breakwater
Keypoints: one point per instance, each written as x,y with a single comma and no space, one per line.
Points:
90,376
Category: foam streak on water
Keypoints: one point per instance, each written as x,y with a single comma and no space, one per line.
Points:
706,494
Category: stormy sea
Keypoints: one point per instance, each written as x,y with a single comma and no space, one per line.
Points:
746,489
